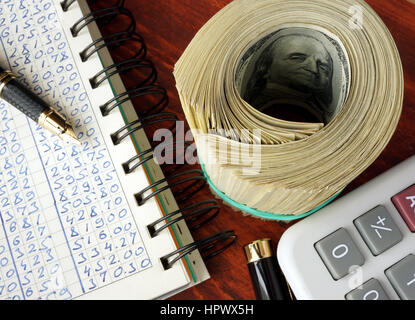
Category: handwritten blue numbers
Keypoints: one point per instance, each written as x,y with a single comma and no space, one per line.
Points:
66,227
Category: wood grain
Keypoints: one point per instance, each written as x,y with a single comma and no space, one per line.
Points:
168,26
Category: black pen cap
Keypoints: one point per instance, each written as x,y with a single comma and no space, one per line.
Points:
267,278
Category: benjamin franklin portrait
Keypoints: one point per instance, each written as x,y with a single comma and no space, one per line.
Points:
293,70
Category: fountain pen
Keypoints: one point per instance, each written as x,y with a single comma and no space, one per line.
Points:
267,278
33,107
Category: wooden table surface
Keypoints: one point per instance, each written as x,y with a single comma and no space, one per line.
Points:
167,27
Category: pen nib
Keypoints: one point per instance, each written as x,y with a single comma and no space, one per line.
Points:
69,136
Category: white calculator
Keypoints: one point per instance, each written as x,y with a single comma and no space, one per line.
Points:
360,247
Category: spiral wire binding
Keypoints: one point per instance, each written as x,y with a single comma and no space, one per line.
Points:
123,67
138,92
132,127
224,238
198,176
67,3
115,39
137,161
208,210
195,215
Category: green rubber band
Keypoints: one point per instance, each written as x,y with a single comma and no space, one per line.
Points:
261,214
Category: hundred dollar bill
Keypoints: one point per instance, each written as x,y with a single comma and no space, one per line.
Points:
292,69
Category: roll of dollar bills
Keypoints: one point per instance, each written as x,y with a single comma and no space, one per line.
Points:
289,101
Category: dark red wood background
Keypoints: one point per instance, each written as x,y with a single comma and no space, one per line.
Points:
168,26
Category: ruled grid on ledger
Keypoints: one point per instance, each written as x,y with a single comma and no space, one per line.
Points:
66,227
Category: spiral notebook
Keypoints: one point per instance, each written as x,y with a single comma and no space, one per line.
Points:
89,221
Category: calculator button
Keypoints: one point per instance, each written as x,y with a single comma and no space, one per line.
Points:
402,277
370,290
405,204
339,253
378,230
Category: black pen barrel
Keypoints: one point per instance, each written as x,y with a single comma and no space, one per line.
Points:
23,99
267,278
268,281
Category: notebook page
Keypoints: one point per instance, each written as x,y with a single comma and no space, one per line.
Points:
70,227
194,262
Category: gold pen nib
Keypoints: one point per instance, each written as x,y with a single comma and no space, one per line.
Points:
55,123
69,136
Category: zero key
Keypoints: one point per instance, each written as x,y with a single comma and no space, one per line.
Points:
405,204
339,253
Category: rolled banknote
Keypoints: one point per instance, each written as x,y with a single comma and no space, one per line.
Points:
289,101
